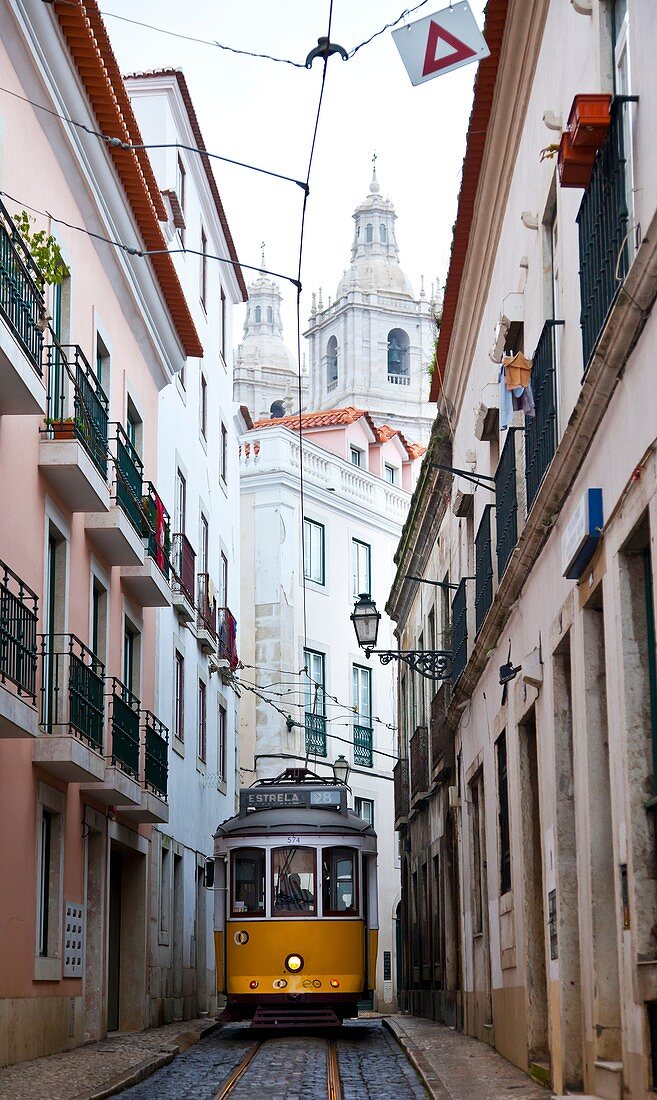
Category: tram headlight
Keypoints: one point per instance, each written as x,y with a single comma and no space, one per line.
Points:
334,983
294,963
254,984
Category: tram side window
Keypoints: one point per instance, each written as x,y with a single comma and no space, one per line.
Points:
293,871
339,894
248,880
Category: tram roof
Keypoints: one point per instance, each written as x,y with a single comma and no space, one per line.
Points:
304,821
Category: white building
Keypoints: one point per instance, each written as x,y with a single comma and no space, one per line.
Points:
342,534
198,475
371,347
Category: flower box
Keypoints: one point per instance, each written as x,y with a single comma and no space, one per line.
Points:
589,121
62,429
575,165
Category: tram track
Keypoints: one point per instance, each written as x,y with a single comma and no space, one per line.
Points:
333,1084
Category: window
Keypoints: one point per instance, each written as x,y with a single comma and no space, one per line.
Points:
204,545
131,429
356,456
277,410
313,549
270,315
223,324
364,807
130,657
397,354
369,233
331,363
221,744
504,837
339,882
223,581
258,315
204,266
361,561
202,721
180,191
390,473
45,847
49,884
383,233
223,469
102,363
98,619
180,503
314,681
248,881
179,697
293,878
203,411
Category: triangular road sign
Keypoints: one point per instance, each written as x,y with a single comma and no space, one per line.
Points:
460,50
440,42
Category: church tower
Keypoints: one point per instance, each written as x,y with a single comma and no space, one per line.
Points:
371,347
264,371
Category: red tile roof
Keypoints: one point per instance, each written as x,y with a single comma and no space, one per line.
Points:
337,418
484,91
90,48
200,144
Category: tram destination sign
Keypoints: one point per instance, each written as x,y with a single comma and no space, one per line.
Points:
282,798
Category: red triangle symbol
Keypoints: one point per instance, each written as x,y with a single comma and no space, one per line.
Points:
461,50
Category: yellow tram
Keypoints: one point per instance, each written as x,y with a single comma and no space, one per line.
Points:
296,922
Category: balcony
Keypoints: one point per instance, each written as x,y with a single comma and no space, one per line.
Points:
603,221
227,652
73,450
400,775
206,614
460,631
148,584
442,741
183,576
419,752
22,308
117,534
315,725
506,502
72,710
18,655
121,786
541,430
153,808
363,751
483,568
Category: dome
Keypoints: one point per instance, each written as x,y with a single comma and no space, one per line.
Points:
262,341
374,253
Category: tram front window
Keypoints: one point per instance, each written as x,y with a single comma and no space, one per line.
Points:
339,882
248,882
293,873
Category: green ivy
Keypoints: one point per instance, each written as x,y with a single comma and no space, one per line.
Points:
45,250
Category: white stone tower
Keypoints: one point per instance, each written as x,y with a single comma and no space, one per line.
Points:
371,347
265,371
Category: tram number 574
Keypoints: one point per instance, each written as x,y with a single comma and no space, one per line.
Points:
294,840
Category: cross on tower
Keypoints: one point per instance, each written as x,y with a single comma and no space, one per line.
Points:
374,162
262,255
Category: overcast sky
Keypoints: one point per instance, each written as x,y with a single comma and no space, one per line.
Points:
263,113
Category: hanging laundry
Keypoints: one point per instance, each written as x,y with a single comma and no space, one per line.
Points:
506,401
517,370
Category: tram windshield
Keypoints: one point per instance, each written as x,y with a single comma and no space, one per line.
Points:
339,895
248,880
293,874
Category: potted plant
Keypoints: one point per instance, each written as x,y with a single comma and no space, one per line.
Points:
65,427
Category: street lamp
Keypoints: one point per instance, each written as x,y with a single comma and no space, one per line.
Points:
433,664
341,769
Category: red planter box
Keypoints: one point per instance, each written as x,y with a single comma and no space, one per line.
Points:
575,165
589,121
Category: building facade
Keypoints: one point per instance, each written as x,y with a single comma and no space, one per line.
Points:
525,802
370,347
308,694
197,634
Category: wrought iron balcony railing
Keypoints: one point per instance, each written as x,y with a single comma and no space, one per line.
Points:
183,566
124,728
419,751
541,430
506,502
129,473
402,794
363,746
206,604
19,608
78,407
156,753
22,304
483,568
227,637
315,734
603,220
460,630
72,689
156,528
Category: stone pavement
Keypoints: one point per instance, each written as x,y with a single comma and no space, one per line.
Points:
456,1067
97,1070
